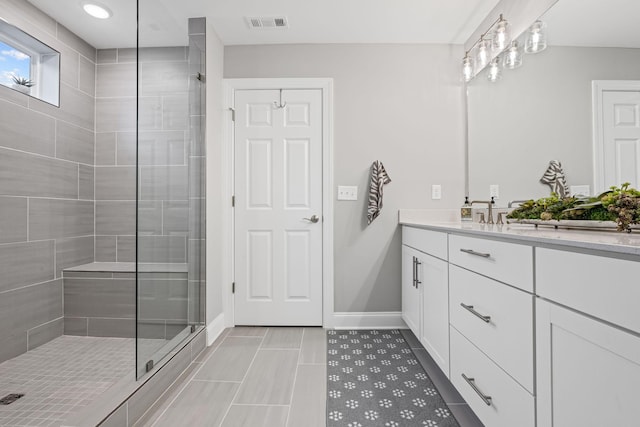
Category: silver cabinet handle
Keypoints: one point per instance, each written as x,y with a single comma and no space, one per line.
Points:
415,271
313,219
418,263
471,381
470,309
472,252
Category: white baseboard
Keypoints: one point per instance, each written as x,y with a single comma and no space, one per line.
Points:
368,320
215,328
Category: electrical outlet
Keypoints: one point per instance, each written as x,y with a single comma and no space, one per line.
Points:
579,190
494,191
347,192
436,191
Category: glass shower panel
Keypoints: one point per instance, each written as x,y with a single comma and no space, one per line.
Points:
170,174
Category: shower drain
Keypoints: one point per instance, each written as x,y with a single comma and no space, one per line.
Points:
10,398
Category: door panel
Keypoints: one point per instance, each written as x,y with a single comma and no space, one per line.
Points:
297,173
587,371
621,135
278,189
410,292
259,174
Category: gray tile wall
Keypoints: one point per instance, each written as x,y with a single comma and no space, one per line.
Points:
163,153
197,178
46,187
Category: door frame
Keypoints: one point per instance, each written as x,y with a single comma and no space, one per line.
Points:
230,86
598,87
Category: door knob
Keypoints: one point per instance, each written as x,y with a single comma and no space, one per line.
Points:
313,219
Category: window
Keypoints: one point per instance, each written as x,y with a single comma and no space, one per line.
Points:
15,67
28,65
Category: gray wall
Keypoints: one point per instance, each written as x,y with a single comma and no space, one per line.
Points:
46,187
163,155
539,112
400,104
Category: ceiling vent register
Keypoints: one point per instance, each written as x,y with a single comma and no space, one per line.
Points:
267,22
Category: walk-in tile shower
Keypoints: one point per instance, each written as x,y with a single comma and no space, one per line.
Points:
102,201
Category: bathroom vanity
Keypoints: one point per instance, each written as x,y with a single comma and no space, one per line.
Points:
533,326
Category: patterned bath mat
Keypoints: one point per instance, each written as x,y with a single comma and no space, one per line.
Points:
375,380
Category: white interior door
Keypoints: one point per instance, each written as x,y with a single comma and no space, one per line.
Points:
618,145
278,207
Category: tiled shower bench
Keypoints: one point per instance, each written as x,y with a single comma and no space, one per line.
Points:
100,299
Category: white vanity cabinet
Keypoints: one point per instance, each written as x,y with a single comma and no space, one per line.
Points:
410,290
491,314
544,331
425,291
588,348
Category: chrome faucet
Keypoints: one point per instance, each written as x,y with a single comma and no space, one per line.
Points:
490,205
515,202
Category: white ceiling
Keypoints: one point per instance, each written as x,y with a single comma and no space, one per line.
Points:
163,22
601,23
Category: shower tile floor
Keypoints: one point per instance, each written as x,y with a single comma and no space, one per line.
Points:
62,376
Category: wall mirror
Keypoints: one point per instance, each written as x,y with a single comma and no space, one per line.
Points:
542,110
28,65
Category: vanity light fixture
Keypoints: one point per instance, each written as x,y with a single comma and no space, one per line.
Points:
536,38
483,54
501,35
495,73
467,68
483,49
97,10
513,56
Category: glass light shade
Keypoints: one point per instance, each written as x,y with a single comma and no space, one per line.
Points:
501,35
483,54
467,68
513,56
495,73
97,10
536,38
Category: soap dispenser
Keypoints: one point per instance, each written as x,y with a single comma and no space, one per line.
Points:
465,211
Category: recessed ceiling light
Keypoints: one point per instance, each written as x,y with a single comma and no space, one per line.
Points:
97,10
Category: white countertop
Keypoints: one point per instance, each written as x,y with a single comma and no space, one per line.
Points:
612,241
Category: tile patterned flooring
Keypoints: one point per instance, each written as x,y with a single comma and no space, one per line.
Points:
251,376
61,377
269,377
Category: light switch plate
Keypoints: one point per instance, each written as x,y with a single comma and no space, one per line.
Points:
436,192
347,192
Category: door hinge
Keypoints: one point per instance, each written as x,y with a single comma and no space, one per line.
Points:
233,287
233,201
233,114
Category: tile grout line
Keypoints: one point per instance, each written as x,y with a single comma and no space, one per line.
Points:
186,384
295,377
235,395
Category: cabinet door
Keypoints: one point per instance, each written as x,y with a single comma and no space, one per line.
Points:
410,293
588,371
434,275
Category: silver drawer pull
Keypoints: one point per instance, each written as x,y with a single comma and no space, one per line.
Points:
471,381
472,252
418,281
470,309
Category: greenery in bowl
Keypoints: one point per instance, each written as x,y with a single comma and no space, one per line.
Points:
619,204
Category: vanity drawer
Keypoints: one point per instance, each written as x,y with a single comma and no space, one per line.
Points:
507,335
602,287
430,242
510,404
507,262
